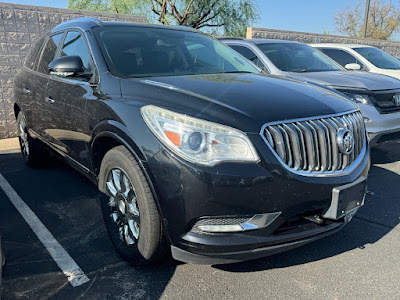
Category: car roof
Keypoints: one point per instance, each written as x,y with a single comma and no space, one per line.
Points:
259,41
334,45
86,23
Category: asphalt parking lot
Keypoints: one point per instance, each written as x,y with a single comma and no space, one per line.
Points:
360,262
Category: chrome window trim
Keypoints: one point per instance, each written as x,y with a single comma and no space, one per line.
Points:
346,171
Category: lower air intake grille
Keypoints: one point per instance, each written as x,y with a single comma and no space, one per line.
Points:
329,144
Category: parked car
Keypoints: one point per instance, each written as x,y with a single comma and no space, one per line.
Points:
362,57
378,96
193,148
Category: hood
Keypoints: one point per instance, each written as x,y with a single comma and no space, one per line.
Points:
243,101
394,73
349,79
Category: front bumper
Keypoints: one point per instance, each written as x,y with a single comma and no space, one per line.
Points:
284,243
381,128
187,193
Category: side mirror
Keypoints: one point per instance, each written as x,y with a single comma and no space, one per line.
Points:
68,66
352,67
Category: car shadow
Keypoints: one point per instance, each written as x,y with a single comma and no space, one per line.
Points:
68,207
373,221
386,153
67,204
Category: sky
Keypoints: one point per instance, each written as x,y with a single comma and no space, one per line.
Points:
297,15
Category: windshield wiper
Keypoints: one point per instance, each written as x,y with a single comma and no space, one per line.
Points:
312,70
233,72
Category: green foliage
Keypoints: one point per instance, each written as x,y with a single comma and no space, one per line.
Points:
383,21
129,7
222,17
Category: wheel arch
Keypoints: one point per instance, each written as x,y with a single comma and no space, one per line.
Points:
107,135
112,134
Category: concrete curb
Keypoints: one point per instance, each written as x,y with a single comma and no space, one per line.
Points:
8,144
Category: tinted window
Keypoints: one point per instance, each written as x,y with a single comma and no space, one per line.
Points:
74,45
341,57
33,54
146,52
294,57
250,55
48,53
379,58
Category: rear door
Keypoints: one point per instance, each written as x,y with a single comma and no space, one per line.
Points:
25,85
68,96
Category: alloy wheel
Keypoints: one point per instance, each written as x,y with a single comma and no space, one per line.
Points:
124,209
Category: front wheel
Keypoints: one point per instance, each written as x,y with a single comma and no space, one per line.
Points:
129,210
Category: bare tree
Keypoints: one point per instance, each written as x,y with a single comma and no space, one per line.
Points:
383,21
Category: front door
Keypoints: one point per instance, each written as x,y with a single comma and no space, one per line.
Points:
68,97
43,117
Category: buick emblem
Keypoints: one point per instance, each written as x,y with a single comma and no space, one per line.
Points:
345,140
396,99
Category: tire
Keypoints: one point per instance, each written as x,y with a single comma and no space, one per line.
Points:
129,210
32,149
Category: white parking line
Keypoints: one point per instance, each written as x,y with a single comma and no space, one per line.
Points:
64,261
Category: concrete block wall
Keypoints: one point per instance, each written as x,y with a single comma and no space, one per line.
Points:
20,27
391,47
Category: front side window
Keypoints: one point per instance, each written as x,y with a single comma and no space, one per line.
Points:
147,52
342,57
250,55
74,45
379,58
48,52
293,57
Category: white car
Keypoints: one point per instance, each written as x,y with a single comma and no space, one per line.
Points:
362,57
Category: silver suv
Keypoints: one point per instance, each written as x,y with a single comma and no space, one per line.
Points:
378,96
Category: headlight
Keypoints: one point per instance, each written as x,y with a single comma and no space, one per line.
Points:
359,98
198,141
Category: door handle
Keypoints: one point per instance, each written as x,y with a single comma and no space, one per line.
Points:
26,91
49,100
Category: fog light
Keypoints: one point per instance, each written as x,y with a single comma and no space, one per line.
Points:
221,228
234,224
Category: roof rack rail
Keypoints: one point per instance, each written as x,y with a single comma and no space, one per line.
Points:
76,21
83,19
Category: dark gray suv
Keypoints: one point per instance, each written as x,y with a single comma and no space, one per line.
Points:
193,148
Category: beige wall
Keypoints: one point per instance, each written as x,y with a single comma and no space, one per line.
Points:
20,27
308,38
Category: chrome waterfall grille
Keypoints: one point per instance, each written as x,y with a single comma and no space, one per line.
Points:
318,146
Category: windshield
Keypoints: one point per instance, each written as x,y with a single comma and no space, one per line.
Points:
379,58
291,57
148,52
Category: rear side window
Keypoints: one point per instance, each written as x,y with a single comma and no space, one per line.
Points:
341,57
74,45
48,53
33,54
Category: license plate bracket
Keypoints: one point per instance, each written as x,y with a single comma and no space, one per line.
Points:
347,198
